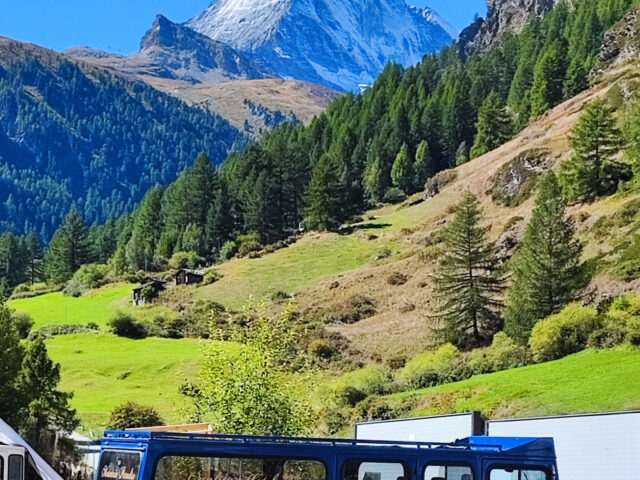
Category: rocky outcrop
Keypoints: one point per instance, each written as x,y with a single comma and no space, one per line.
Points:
504,16
621,43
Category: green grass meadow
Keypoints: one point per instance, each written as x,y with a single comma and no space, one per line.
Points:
590,381
104,371
98,306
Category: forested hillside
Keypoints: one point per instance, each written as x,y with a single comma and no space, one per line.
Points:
77,135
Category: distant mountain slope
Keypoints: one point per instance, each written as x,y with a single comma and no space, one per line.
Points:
336,43
430,15
71,133
170,50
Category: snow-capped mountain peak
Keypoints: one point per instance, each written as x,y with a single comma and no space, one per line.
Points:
339,43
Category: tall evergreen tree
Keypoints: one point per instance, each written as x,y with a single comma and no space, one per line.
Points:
424,167
324,201
69,248
11,354
147,229
48,411
548,79
547,269
220,225
402,171
596,140
33,253
468,279
494,126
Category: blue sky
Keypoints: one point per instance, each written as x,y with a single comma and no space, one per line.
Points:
118,25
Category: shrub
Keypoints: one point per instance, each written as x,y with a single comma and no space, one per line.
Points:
134,415
23,323
211,277
608,336
504,353
36,287
184,260
23,287
125,325
564,333
394,195
355,386
432,367
88,276
228,250
248,244
352,310
320,348
63,329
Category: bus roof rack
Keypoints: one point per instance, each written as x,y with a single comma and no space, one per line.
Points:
478,443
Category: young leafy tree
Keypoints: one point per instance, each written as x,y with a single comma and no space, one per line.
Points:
593,170
547,269
69,248
424,167
48,410
468,280
495,126
402,171
11,354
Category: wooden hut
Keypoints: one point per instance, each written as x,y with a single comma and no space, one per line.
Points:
186,276
156,284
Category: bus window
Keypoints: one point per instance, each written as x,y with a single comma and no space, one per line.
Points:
362,470
238,468
15,467
448,472
118,465
517,474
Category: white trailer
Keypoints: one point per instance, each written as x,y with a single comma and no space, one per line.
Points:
439,428
595,446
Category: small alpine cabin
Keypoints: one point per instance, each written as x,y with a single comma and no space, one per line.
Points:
186,276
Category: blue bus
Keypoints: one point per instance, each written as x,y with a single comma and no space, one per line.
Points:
127,455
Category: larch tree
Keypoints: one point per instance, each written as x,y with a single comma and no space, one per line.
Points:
468,280
495,126
547,269
402,171
593,169
424,167
69,248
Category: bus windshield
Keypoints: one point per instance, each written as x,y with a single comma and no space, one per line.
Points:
119,465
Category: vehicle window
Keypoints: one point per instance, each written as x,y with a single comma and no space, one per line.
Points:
517,474
448,472
16,464
119,465
362,470
236,468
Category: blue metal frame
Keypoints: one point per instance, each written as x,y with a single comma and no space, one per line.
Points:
481,453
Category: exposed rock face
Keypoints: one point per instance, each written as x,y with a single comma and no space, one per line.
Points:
170,50
337,43
621,43
504,16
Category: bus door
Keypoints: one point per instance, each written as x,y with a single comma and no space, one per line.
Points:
374,467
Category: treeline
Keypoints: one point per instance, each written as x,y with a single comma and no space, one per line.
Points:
92,140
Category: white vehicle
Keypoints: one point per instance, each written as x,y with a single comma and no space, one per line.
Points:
12,462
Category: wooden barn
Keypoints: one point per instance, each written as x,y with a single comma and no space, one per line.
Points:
186,276
156,284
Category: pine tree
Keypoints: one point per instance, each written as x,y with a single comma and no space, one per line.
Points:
494,126
548,79
11,356
69,248
592,170
147,229
402,171
424,167
48,410
324,198
467,279
546,270
220,220
33,251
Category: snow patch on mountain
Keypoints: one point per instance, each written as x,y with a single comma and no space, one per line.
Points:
339,43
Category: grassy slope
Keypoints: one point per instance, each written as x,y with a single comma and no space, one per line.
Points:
97,306
589,381
104,371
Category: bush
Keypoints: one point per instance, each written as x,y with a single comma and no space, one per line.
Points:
355,386
352,310
211,277
125,325
320,348
63,329
134,415
564,333
228,250
433,367
184,260
394,195
397,278
22,288
23,323
88,276
504,353
249,243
